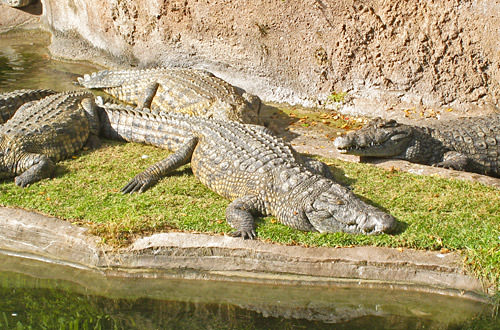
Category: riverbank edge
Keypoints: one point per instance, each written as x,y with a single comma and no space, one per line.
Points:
215,257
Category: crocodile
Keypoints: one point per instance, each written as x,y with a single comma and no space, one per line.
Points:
465,144
259,172
43,132
11,101
190,91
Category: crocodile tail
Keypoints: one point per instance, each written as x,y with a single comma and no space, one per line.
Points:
113,78
94,80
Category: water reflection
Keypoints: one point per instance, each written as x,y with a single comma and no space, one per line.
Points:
37,293
25,63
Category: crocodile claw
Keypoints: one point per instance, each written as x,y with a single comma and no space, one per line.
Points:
139,184
245,234
21,181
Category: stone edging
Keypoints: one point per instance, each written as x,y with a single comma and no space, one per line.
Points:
205,256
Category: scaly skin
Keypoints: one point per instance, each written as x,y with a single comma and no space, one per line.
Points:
189,91
11,101
257,171
43,132
464,144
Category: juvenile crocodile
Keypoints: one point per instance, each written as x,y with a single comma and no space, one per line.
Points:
43,132
11,101
465,144
189,91
257,171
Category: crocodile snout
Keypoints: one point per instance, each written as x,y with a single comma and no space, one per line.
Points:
341,142
379,223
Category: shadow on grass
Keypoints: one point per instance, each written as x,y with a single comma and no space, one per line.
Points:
59,171
278,121
340,178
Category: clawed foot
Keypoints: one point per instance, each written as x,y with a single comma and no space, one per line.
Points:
139,184
22,181
245,234
454,161
448,166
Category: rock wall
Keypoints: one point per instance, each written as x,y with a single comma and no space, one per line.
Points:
384,54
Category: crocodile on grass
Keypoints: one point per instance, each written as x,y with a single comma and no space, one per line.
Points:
258,172
11,101
43,132
464,144
190,91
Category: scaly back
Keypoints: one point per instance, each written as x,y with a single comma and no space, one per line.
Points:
191,91
11,101
477,137
56,126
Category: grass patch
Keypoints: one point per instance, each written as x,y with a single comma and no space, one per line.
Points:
434,213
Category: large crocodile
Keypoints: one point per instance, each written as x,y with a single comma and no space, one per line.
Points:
189,91
465,144
46,131
11,101
257,171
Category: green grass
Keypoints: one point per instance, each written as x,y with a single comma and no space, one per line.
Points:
337,97
434,213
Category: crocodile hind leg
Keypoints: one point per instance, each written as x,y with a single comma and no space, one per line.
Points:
37,166
143,181
92,114
317,167
147,95
239,215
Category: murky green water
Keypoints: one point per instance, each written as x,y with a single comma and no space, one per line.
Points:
51,296
25,63
38,295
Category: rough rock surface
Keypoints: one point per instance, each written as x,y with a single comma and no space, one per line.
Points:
11,18
383,53
228,258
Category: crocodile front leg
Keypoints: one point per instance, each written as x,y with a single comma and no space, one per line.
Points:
455,161
143,181
239,215
37,167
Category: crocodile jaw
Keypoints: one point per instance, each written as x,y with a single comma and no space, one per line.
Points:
338,209
373,144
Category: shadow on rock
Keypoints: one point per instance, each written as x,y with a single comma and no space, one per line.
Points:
278,121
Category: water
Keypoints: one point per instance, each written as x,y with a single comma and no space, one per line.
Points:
25,63
39,295
51,296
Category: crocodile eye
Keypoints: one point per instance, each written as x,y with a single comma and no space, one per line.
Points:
398,137
388,123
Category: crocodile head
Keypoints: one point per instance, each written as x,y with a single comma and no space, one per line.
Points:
337,209
380,138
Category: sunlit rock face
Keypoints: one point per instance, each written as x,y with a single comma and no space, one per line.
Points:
17,3
383,53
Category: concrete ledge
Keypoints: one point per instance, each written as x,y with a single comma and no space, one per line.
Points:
204,256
